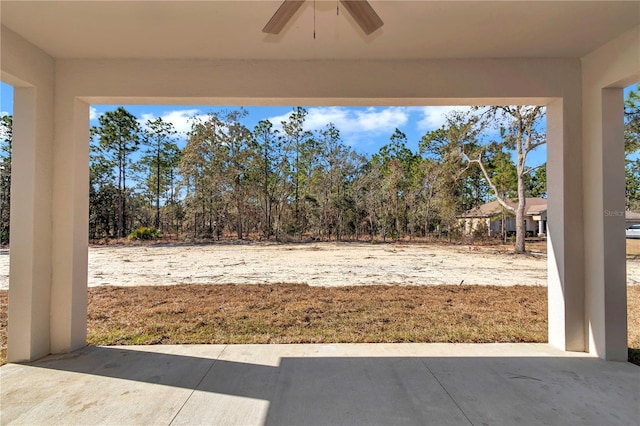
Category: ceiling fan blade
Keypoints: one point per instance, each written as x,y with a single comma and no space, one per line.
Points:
285,12
363,14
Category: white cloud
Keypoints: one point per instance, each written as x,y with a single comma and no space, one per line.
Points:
181,119
3,113
384,121
277,120
434,117
355,125
93,113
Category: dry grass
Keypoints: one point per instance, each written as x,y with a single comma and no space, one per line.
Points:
633,323
4,310
288,313
633,249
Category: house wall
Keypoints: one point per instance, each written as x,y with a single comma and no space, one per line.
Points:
469,225
530,224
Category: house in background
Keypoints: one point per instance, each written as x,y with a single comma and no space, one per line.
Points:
493,218
489,217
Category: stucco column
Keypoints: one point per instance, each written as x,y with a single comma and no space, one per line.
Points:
565,258
606,297
30,263
70,216
605,72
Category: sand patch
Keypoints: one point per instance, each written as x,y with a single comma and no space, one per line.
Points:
317,264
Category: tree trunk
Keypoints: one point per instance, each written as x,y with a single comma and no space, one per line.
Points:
267,207
239,230
297,189
122,219
426,218
503,226
521,230
157,221
238,197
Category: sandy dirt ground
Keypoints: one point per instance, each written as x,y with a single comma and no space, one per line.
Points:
318,264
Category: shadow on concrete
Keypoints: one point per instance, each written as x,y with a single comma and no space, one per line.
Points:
369,390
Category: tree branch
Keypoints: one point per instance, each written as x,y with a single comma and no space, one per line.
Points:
501,201
531,169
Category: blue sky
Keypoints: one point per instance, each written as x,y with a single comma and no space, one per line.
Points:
365,129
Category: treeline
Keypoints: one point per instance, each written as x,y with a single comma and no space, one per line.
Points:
287,184
6,135
291,184
632,149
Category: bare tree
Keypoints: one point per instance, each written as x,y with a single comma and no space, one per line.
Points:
519,133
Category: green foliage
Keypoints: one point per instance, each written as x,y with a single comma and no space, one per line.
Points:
290,182
452,186
6,136
536,182
216,167
144,233
268,175
632,188
159,163
632,121
300,147
112,144
502,170
632,146
519,135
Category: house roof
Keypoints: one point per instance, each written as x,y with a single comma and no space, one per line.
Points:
534,206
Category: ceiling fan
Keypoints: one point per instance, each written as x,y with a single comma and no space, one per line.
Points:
360,10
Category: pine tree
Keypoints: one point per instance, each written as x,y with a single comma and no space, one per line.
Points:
118,138
160,161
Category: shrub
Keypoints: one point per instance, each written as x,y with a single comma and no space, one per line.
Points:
481,231
144,233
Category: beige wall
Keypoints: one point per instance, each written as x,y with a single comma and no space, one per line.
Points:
428,82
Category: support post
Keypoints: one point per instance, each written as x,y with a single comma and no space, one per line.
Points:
605,250
605,73
565,226
70,219
30,263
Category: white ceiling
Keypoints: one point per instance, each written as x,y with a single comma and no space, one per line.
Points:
232,29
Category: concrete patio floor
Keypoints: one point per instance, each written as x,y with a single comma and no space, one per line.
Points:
366,384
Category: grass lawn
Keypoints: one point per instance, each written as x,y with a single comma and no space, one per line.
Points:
289,313
633,249
302,314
